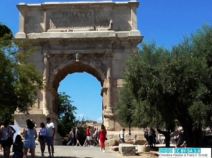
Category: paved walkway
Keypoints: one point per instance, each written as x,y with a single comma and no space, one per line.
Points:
87,152
84,152
79,152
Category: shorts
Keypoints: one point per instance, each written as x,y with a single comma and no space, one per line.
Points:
29,144
42,138
5,143
49,140
18,154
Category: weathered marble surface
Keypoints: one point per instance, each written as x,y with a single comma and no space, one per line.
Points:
95,37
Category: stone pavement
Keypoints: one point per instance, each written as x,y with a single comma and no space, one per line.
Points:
78,152
84,152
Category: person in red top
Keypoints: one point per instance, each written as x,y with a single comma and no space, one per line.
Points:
88,136
102,138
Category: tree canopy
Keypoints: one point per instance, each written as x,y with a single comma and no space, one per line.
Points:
66,114
19,80
166,87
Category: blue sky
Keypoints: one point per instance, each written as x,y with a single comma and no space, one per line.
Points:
165,22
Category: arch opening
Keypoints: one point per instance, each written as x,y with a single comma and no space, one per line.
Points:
81,71
85,92
63,71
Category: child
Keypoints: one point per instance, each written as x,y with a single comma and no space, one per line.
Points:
18,147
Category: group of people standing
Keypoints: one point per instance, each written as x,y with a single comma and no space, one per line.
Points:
175,137
25,142
73,138
98,136
46,136
92,137
150,136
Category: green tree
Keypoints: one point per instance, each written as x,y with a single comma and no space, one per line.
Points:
19,80
143,88
202,48
193,82
182,83
66,114
175,85
143,77
125,108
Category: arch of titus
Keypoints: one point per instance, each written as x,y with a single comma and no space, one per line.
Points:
93,37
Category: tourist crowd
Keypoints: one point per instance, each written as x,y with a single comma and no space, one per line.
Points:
25,142
90,136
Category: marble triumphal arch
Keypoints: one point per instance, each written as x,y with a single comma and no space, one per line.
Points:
95,37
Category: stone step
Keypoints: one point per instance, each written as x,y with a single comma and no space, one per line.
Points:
136,137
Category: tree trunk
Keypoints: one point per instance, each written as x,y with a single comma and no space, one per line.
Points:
187,125
166,135
129,128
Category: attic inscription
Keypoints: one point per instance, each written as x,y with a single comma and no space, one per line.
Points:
78,19
71,19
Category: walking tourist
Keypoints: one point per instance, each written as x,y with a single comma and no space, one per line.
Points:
146,136
6,134
181,138
1,127
96,136
122,136
167,135
152,137
18,146
50,136
88,136
42,138
77,133
102,138
72,137
29,135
